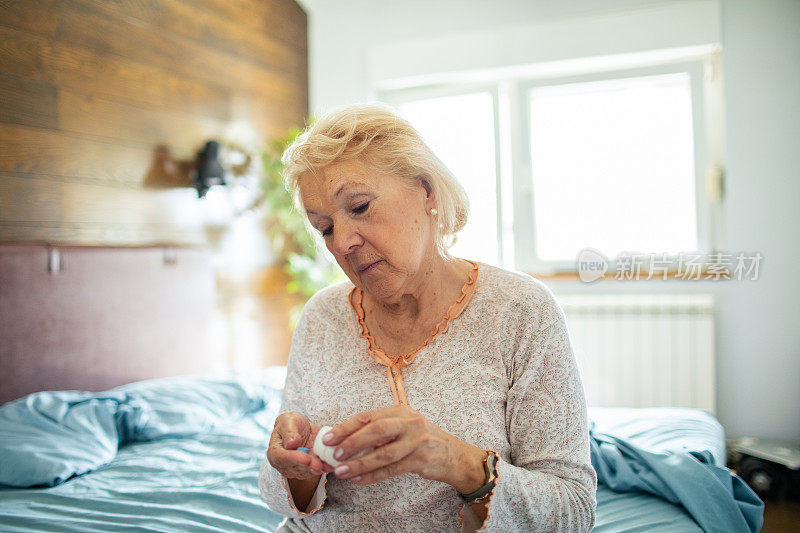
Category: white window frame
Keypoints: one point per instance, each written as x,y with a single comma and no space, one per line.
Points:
515,207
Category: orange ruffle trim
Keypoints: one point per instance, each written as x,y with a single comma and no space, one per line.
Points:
395,364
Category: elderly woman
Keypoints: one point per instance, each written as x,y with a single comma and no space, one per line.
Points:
459,375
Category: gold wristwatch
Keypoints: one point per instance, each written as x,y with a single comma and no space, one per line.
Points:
482,493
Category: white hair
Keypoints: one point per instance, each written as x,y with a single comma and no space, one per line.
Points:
376,133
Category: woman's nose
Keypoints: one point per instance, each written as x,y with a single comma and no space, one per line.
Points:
345,238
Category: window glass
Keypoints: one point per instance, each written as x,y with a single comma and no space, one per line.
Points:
613,167
460,131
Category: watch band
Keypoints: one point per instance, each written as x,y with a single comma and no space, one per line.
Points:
482,493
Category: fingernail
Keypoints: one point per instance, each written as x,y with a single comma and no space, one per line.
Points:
338,453
302,449
342,469
327,438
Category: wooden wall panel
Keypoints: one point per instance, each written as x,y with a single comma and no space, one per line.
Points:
36,15
100,116
282,20
39,152
90,88
28,102
224,36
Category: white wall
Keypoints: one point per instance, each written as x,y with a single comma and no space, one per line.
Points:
759,343
355,44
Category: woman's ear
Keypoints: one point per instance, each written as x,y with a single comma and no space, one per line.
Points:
427,186
430,196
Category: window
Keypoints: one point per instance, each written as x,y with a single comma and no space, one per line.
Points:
613,166
460,131
612,160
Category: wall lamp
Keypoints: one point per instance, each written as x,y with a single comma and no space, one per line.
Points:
208,170
215,164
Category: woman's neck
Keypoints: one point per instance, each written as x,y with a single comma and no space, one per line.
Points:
424,304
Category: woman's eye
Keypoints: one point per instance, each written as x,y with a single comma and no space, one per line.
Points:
361,208
327,232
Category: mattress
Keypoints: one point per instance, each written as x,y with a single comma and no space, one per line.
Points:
664,429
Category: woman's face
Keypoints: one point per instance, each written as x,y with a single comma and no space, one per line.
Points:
375,225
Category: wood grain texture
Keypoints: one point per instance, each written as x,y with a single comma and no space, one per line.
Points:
285,21
103,117
28,102
83,71
89,89
41,153
36,15
204,28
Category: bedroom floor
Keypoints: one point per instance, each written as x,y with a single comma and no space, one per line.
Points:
781,516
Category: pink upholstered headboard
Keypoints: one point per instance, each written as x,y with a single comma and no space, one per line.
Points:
94,318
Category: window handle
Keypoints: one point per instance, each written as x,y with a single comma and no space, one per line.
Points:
715,178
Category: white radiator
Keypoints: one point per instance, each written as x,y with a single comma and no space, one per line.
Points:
644,350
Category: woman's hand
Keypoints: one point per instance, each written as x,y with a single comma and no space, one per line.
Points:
404,442
291,431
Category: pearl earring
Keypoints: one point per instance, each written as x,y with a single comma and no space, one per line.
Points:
434,212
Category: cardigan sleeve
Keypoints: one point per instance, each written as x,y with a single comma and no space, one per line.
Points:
549,483
274,487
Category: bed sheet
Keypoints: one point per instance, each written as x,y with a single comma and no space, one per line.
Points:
209,482
204,484
637,511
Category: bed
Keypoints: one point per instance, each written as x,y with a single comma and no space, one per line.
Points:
182,454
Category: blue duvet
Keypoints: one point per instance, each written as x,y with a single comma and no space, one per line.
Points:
47,437
188,460
717,499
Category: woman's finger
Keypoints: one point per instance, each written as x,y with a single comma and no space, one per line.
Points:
377,459
291,431
317,464
348,427
299,458
295,430
374,434
294,463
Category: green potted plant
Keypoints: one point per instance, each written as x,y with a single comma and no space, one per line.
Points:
308,269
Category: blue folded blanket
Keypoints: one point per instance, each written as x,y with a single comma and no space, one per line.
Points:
48,437
717,499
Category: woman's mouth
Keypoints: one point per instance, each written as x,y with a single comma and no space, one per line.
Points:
366,269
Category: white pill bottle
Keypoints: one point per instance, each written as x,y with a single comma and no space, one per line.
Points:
325,452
